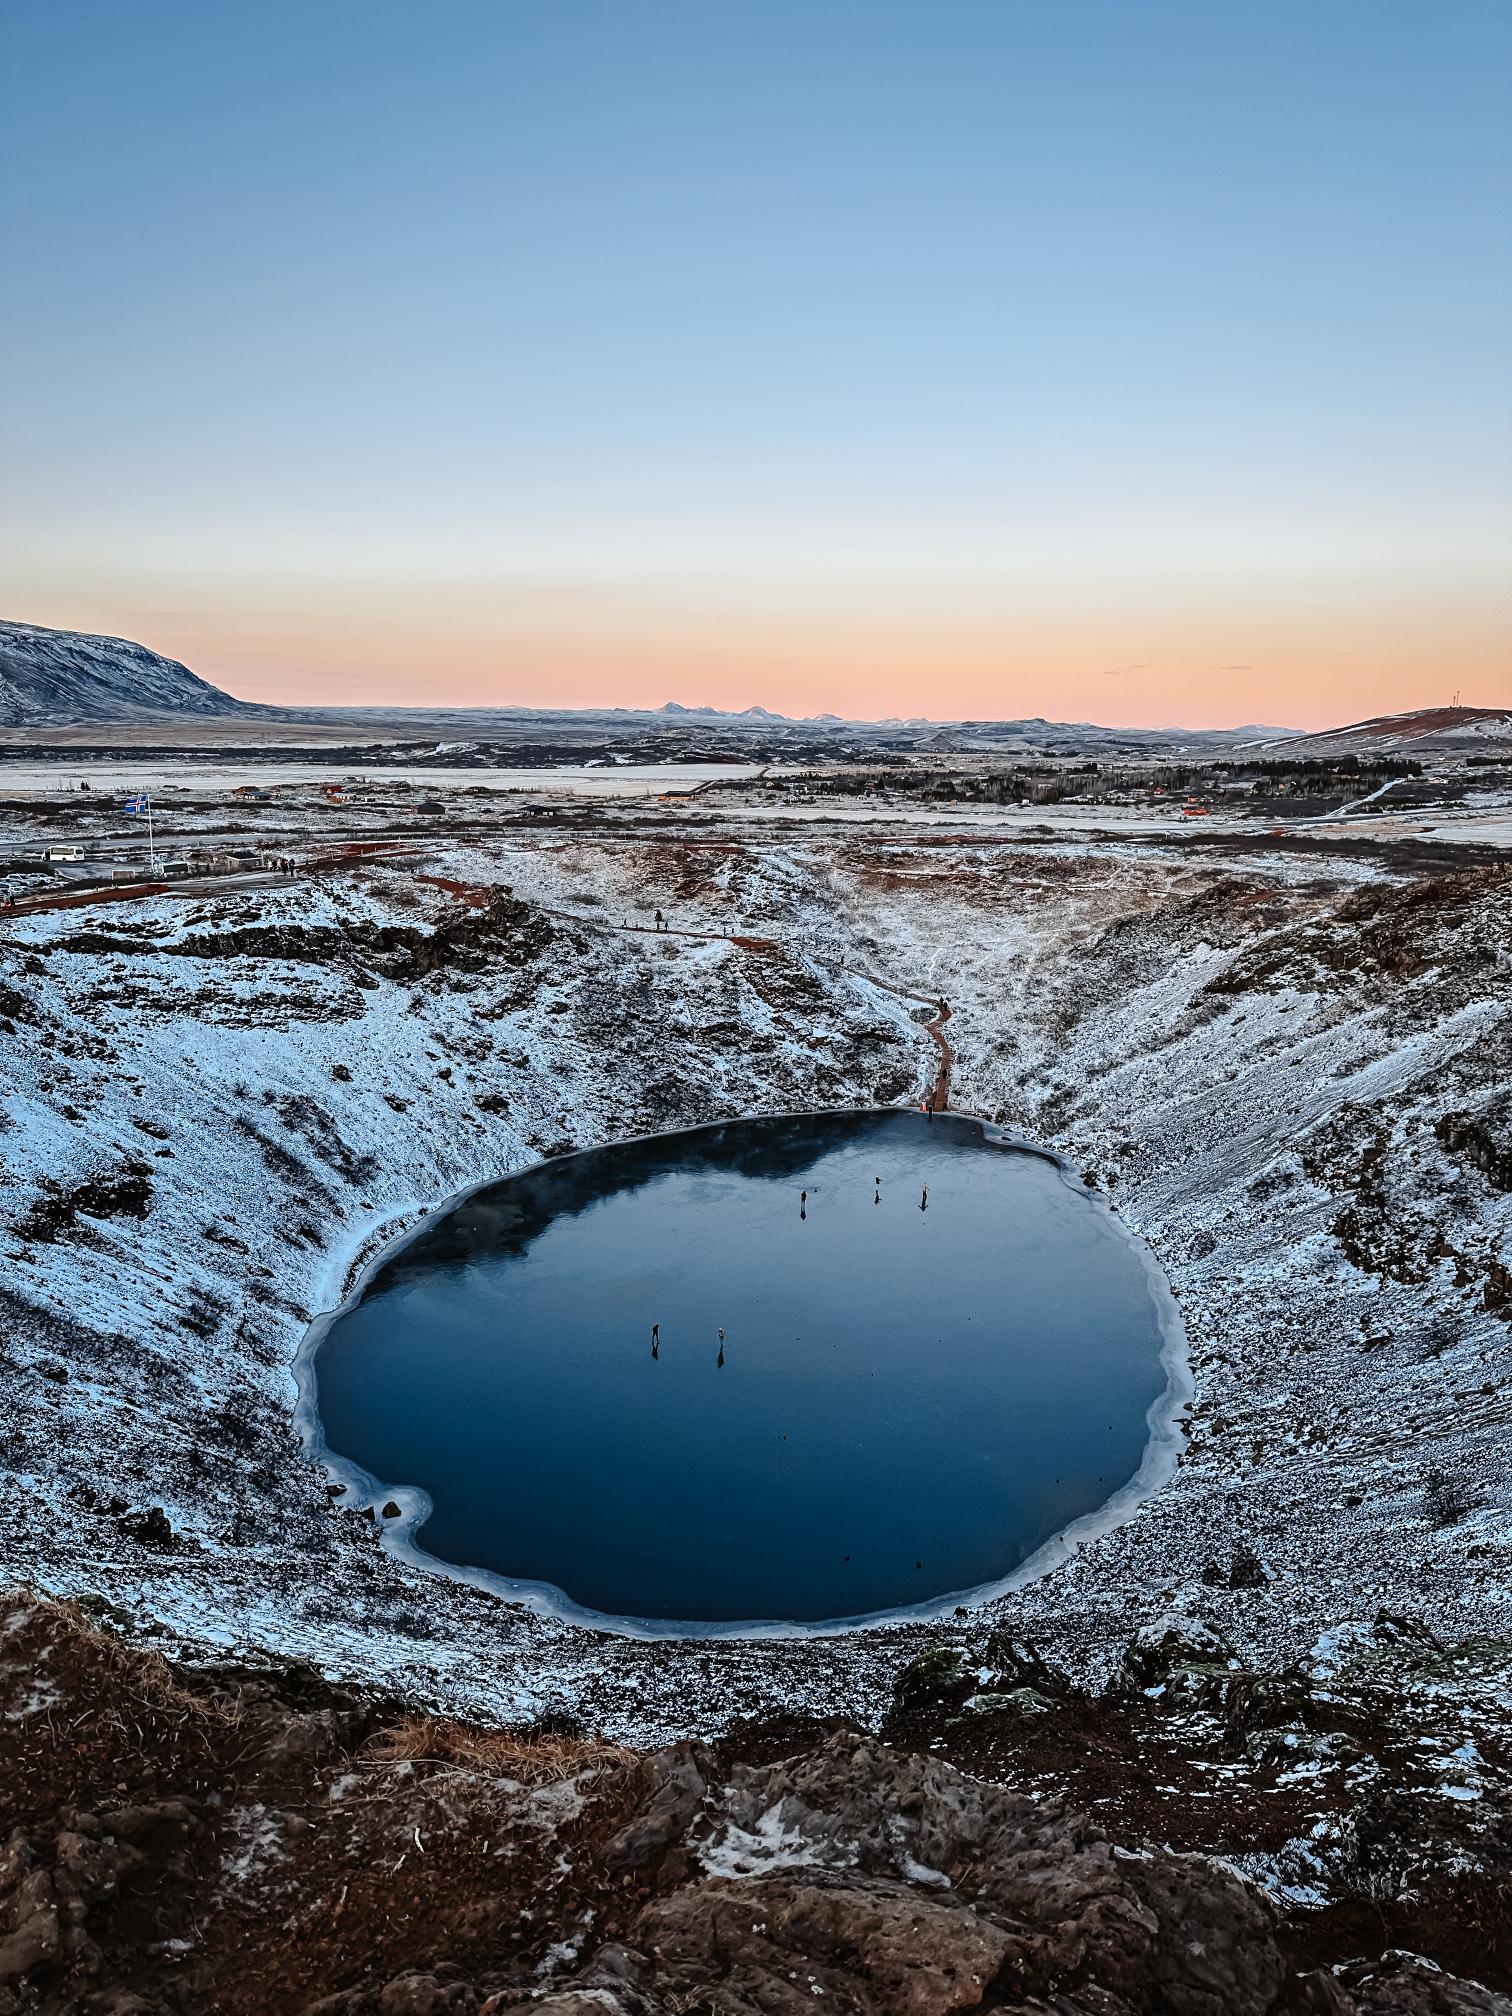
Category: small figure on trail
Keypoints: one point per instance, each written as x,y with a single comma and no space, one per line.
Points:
656,1340
877,1194
721,1348
924,1198
803,1203
659,920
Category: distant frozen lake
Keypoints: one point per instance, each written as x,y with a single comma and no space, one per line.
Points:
174,779
944,1355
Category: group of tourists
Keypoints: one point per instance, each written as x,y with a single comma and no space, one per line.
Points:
802,1213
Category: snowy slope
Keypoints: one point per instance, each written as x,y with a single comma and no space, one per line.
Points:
1426,731
50,677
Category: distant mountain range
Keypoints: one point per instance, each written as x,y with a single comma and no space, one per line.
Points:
63,678
1030,726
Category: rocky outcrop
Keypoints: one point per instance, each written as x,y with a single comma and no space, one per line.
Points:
891,1873
252,1841
465,938
125,1192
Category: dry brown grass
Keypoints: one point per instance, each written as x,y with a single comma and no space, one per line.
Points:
101,1691
529,1757
143,1676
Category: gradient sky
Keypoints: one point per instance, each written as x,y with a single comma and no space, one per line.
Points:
1127,360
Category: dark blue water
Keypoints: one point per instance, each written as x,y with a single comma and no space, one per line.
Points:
912,1400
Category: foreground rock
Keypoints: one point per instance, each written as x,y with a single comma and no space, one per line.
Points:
181,1841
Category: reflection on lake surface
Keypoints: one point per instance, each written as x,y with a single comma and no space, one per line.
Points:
933,1361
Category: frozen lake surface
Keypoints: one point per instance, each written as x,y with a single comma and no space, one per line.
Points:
914,1392
189,776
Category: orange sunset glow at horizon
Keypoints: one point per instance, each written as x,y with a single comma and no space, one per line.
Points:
1143,366
874,657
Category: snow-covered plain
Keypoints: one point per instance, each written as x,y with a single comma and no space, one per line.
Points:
1285,1073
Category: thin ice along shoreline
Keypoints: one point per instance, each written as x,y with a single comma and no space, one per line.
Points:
399,1530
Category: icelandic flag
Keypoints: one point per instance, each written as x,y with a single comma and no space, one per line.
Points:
137,804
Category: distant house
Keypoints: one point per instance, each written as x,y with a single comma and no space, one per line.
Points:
252,791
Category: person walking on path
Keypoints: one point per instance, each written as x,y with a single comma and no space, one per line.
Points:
656,1340
924,1198
721,1348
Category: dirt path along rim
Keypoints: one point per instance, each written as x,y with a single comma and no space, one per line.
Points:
939,1098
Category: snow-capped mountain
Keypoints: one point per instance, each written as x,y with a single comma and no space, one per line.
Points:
52,677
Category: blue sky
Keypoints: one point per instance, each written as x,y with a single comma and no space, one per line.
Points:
585,351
